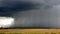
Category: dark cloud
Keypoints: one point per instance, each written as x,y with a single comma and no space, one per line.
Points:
36,13
11,7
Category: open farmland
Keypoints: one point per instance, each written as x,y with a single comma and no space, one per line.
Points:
29,31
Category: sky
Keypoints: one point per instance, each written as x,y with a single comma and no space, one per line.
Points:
32,13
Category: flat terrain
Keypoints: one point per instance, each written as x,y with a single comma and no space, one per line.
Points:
29,31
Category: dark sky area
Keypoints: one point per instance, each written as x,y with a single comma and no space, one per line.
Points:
32,13
10,7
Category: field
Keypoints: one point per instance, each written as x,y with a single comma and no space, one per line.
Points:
30,31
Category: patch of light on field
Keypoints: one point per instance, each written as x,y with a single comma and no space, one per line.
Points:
6,22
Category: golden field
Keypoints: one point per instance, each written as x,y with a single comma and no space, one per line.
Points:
29,31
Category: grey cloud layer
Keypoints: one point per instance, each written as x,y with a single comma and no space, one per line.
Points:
47,15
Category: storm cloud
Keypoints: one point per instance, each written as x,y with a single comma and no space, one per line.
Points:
32,13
